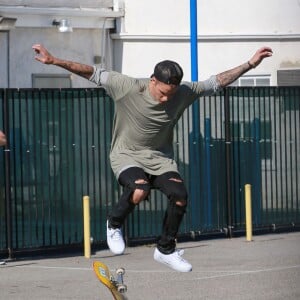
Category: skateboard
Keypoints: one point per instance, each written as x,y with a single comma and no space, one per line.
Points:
116,286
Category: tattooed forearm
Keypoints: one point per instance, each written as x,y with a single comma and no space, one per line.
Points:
76,68
227,77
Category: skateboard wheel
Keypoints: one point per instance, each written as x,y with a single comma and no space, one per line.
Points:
120,271
122,288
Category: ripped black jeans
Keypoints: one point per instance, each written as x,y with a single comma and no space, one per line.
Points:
171,184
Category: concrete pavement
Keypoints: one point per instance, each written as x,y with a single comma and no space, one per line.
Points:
268,268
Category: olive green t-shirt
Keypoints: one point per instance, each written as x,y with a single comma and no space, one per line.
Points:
143,127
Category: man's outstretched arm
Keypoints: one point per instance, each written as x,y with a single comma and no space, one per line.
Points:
45,57
227,77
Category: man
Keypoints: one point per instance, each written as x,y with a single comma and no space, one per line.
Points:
141,156
2,139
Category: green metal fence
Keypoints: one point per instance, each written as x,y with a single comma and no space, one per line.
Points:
58,151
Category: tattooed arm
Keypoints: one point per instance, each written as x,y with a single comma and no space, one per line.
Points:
227,77
46,58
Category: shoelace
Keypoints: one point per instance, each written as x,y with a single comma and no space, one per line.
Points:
116,235
179,253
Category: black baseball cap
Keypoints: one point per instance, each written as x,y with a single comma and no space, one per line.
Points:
168,71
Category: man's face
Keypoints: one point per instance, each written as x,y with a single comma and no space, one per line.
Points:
160,91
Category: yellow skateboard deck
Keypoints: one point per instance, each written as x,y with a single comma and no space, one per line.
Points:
116,287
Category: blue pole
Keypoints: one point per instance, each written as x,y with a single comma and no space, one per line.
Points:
194,40
195,150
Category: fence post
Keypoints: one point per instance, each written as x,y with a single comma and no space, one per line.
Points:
7,177
228,160
207,177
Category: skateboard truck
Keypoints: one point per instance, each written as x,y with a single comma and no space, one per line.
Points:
121,287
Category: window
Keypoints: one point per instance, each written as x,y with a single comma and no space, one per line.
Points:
253,80
51,81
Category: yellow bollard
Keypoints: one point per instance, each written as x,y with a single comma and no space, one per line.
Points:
86,227
248,212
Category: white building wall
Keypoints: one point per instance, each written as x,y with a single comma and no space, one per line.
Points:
229,33
214,17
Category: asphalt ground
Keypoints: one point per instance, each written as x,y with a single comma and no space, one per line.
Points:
266,268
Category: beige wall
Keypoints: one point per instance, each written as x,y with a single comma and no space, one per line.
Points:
80,45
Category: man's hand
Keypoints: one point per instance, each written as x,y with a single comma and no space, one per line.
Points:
42,54
259,55
227,77
2,139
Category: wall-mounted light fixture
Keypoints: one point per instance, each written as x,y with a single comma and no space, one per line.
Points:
63,25
7,23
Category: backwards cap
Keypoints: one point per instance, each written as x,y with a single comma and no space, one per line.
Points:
168,72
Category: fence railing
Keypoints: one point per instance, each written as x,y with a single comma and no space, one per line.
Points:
58,151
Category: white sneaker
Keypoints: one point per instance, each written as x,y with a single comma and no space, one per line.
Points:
173,260
115,240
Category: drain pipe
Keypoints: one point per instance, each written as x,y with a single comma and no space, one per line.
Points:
103,46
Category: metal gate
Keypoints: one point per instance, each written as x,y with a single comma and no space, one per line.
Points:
58,149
